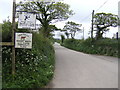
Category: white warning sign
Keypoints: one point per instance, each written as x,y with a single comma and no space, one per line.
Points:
23,40
27,20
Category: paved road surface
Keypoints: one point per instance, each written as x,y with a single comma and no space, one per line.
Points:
79,70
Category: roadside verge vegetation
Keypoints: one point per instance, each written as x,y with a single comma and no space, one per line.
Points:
98,44
104,46
34,67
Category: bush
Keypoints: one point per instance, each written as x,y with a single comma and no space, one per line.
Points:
57,40
34,67
103,46
6,31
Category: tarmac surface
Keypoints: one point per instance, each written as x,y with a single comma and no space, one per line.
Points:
78,70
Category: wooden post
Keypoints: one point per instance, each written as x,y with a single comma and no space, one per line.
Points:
83,33
92,26
13,37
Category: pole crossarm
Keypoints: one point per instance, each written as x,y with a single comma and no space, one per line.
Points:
28,11
6,44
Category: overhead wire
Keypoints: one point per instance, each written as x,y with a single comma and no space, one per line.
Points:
86,17
95,10
101,5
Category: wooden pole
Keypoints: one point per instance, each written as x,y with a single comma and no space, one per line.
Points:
13,37
83,33
92,26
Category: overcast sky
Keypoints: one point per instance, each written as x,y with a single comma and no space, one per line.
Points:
82,9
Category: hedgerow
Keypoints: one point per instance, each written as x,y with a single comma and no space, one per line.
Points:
106,46
34,67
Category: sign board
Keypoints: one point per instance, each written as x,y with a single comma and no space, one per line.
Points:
27,20
23,40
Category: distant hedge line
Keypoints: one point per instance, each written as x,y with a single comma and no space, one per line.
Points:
105,46
34,67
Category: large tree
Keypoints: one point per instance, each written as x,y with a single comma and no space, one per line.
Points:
52,28
47,12
71,28
102,21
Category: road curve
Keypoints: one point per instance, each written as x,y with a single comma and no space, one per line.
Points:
78,70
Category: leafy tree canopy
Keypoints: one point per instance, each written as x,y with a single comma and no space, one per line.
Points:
72,27
47,12
104,20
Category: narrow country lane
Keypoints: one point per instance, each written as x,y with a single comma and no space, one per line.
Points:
79,70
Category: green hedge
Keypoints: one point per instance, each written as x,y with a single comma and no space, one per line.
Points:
34,67
102,47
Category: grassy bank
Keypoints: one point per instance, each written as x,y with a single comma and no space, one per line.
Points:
34,67
106,46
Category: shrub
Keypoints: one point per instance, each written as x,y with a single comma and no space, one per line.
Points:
6,31
57,40
34,67
103,46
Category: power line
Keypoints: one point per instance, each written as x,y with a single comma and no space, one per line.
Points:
86,17
102,5
95,10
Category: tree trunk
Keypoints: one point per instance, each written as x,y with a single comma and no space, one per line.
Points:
99,32
98,36
72,36
46,31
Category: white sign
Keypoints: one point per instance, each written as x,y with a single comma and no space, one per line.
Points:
27,20
23,40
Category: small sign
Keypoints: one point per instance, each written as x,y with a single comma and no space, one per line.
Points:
27,20
23,40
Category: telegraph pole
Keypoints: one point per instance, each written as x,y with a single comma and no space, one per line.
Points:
92,25
83,33
13,37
